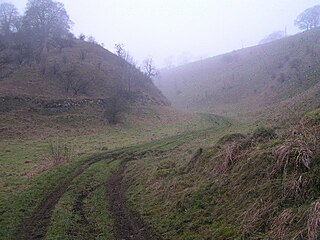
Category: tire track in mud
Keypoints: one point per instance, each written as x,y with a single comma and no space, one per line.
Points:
79,215
127,222
36,226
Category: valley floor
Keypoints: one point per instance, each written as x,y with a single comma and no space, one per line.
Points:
84,198
215,181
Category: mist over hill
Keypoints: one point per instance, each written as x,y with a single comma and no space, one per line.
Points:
273,78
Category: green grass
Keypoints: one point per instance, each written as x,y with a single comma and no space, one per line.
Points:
178,202
202,203
20,193
66,222
165,178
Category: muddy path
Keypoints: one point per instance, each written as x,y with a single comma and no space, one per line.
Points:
36,226
88,229
127,222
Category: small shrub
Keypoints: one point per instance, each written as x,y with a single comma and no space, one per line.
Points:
60,151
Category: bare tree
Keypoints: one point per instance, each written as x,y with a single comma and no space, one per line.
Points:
149,68
308,19
9,18
46,20
72,81
115,105
80,86
129,70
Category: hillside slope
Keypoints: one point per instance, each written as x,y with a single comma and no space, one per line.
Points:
278,77
77,87
77,70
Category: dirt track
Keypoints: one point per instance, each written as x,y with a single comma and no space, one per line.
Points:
36,226
128,224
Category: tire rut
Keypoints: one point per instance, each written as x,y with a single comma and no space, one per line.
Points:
36,226
127,222
79,215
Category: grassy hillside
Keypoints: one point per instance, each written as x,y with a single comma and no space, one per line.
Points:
262,185
265,80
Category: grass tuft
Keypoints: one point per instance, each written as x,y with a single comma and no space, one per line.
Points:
60,151
314,221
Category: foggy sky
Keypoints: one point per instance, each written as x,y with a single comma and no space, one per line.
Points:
180,30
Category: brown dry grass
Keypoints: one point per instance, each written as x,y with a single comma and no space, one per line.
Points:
231,154
239,184
314,221
259,216
298,150
279,226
